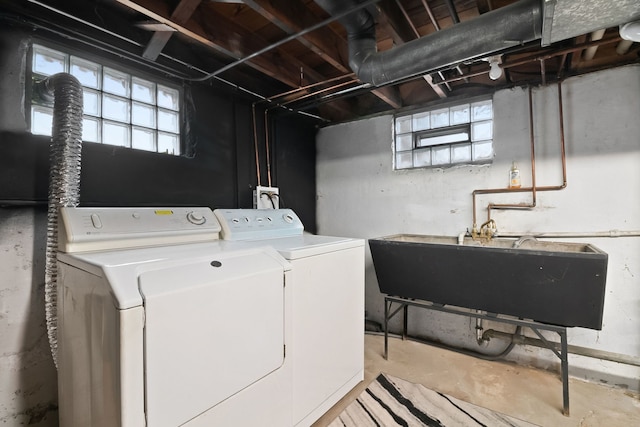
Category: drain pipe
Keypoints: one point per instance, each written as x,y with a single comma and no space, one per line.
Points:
573,349
508,26
479,323
64,179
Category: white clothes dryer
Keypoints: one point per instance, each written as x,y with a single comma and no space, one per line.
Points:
162,324
327,281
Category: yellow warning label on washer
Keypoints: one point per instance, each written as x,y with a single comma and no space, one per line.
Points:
164,212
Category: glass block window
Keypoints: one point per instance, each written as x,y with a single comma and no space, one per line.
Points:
460,134
120,108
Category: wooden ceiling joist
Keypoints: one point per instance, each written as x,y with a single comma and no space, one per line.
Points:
228,38
180,15
293,17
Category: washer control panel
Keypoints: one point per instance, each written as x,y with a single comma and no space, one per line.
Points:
91,229
255,224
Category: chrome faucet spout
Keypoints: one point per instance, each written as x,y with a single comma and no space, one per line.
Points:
521,240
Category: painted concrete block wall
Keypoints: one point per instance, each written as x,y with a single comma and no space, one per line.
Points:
360,195
28,378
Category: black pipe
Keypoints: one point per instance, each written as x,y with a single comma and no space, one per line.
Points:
491,32
452,11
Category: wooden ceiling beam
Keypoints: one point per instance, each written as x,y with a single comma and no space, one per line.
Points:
405,31
484,6
392,20
226,37
180,15
293,17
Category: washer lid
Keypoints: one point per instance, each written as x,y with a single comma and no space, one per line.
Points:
212,328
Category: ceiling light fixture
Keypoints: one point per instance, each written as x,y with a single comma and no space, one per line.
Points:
495,71
630,31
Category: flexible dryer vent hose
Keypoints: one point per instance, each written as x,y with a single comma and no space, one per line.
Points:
64,179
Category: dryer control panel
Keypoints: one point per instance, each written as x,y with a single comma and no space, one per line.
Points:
256,224
92,229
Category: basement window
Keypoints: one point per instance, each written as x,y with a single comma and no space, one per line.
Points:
120,108
441,137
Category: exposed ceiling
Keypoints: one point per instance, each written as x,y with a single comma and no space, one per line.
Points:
256,45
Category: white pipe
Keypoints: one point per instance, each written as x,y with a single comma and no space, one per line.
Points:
461,238
590,52
565,234
623,47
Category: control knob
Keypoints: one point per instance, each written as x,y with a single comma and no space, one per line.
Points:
288,218
196,218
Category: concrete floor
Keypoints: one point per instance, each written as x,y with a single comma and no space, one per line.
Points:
529,394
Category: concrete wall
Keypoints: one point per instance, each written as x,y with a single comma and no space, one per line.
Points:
360,195
28,385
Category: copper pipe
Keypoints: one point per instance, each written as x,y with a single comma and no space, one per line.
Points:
559,52
533,188
282,104
533,170
561,65
266,147
307,95
562,52
309,86
255,140
266,112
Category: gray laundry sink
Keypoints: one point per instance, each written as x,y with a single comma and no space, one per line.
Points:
550,282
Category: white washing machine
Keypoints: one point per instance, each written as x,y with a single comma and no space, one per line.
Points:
327,281
162,324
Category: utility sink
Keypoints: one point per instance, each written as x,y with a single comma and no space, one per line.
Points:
550,282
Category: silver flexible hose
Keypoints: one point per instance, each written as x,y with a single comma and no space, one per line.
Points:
64,180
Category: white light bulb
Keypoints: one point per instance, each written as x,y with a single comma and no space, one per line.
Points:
495,72
630,31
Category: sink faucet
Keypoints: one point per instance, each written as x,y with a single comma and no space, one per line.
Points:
486,231
521,240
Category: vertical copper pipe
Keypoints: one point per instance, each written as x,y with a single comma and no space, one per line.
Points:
533,169
255,140
309,86
532,188
562,144
266,146
563,59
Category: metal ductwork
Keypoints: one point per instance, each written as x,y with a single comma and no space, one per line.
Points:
64,179
483,36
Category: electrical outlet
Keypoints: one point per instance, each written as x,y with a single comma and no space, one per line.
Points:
266,198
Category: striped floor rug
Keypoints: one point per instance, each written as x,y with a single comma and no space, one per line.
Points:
390,401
